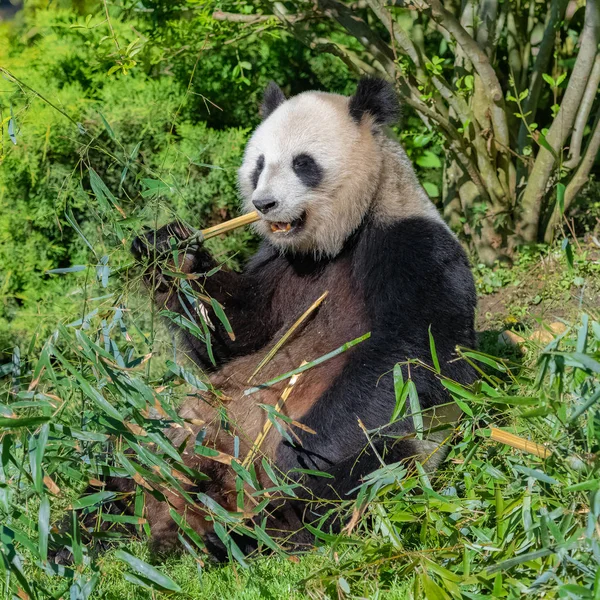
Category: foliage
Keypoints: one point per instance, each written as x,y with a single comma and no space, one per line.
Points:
98,156
124,127
511,87
493,521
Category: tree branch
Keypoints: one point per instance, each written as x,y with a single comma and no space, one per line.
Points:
486,32
349,58
579,179
219,15
531,204
361,31
403,41
582,116
488,76
476,55
540,66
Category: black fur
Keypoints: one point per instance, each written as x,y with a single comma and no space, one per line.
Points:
406,277
412,275
307,170
260,165
272,98
377,98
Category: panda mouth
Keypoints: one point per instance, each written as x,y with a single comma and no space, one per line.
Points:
287,227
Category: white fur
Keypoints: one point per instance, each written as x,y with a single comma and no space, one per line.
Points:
362,171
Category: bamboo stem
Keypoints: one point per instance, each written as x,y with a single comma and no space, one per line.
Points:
268,424
229,225
309,365
287,334
210,232
510,439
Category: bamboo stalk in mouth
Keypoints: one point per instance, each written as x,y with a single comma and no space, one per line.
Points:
210,232
229,225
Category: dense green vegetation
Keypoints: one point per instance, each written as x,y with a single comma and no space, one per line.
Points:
116,120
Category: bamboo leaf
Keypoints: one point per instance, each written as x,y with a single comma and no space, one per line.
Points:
43,527
434,357
148,572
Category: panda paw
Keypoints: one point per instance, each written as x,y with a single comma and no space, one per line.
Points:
159,242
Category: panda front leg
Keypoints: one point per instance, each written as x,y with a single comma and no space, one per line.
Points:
168,262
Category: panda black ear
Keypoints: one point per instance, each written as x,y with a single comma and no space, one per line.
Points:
272,98
376,97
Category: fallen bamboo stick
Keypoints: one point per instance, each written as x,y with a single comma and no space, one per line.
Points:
510,439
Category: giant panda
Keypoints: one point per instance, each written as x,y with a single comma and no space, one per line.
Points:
341,211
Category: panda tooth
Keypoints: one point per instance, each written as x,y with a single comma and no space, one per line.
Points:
280,227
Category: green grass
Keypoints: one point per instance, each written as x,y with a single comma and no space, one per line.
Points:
267,577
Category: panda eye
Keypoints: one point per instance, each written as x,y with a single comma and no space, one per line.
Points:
260,165
302,161
307,170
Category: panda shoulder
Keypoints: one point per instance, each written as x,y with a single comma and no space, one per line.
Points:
414,243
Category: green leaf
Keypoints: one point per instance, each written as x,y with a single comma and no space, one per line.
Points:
22,422
71,219
73,269
541,140
215,508
91,392
463,406
43,527
189,532
147,571
548,79
12,127
592,484
429,160
242,473
560,196
309,365
187,376
40,446
434,357
415,409
458,390
107,126
585,406
568,250
155,187
539,475
433,191
401,392
312,472
93,500
220,313
230,544
513,562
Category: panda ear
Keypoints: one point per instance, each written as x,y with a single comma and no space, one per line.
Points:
272,98
377,98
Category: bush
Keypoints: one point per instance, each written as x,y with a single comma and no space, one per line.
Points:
65,115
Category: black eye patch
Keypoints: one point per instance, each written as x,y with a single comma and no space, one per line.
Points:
307,170
260,165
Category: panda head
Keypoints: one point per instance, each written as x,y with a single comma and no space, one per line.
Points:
312,167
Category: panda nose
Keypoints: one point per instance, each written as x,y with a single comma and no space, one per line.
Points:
264,205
